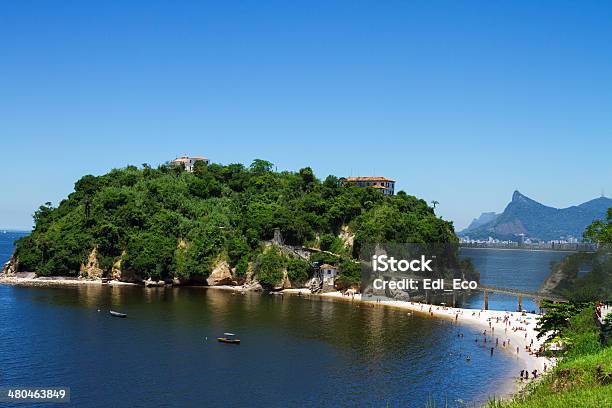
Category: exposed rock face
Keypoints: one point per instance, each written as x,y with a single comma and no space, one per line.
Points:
285,283
91,269
221,275
253,286
178,281
152,283
122,275
347,236
11,266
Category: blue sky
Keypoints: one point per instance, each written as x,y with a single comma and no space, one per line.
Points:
460,102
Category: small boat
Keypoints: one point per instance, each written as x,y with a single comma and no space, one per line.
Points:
229,338
117,314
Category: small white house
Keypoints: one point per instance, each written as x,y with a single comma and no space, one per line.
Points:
189,162
327,274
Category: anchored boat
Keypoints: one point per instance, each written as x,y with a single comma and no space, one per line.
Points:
117,314
229,338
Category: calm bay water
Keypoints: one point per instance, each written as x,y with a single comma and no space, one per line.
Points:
294,351
510,268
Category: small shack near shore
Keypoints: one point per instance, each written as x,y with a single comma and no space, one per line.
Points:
327,275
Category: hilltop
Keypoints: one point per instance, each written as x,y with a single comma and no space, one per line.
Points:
524,215
167,223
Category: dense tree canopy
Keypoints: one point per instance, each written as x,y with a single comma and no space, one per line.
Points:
167,222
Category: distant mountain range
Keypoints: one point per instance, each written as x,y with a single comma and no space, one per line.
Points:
526,216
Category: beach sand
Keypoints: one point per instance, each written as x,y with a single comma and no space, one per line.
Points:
58,281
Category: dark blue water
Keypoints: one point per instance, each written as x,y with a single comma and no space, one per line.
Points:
6,244
294,351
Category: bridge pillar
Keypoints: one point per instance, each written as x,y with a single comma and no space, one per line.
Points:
520,303
486,300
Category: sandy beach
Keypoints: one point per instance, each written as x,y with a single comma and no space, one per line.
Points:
57,281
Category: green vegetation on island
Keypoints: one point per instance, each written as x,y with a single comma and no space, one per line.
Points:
169,223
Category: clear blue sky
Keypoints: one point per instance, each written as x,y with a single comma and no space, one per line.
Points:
461,102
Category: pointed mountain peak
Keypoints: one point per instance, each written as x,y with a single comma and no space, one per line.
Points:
519,198
516,196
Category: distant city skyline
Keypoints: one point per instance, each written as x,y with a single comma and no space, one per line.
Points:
461,103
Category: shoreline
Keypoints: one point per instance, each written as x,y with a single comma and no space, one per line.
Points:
524,249
459,316
59,281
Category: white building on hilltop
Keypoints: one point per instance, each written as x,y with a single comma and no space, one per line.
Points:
189,162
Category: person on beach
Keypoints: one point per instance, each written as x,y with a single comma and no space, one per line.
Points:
522,374
517,350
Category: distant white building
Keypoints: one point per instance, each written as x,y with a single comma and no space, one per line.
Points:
327,274
189,162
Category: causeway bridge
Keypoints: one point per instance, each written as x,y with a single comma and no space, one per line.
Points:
520,294
489,290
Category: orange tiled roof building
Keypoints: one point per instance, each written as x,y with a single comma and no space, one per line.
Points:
386,185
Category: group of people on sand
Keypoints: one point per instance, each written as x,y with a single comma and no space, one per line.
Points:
491,340
525,374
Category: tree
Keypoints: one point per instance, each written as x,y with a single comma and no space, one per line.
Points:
600,231
260,166
307,175
270,267
298,271
556,318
